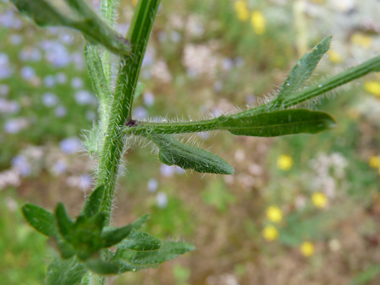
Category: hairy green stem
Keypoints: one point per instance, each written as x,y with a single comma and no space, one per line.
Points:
121,108
372,65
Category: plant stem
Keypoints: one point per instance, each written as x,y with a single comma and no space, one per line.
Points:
372,65
121,108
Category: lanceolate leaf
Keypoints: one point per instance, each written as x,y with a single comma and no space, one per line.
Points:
93,202
103,267
304,68
115,236
140,222
65,272
173,152
77,15
135,261
278,123
40,219
65,224
140,241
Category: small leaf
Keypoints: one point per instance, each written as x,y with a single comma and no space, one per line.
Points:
304,68
278,123
65,272
65,248
173,152
115,236
65,224
103,267
40,219
140,241
139,89
77,15
140,222
146,259
93,202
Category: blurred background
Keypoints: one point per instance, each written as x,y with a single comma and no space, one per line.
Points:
299,209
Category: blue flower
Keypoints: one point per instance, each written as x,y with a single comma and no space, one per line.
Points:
49,99
21,163
70,145
28,73
60,111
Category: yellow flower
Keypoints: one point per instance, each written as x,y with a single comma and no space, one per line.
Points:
307,248
319,200
270,233
372,87
361,40
258,22
285,162
274,214
241,10
334,56
374,161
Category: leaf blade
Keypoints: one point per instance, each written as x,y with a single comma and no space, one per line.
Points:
40,219
278,123
65,224
115,236
173,152
304,68
140,222
65,272
93,202
140,241
135,261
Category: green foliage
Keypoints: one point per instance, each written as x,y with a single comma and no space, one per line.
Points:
303,70
92,204
140,241
83,242
278,123
135,260
76,15
40,219
65,272
173,152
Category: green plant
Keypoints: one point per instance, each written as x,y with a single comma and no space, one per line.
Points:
83,243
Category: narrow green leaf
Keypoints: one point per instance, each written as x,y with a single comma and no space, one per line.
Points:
139,260
140,222
304,68
103,267
93,202
115,236
278,123
173,152
40,219
65,224
77,15
65,272
65,248
140,241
